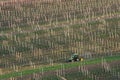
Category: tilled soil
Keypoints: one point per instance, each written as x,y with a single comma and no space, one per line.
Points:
23,1
38,76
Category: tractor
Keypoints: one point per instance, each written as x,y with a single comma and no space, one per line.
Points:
75,57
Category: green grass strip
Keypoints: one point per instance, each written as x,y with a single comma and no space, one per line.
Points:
58,66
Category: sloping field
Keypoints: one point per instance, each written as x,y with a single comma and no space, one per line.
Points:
38,32
106,64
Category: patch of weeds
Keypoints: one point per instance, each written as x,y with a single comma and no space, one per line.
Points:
94,23
2,38
40,32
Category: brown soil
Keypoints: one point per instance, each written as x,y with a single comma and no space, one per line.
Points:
23,1
70,70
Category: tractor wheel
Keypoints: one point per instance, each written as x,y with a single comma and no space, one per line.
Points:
78,59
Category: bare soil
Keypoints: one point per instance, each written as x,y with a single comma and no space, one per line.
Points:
70,70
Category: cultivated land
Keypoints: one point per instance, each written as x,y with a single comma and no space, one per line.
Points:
35,33
85,68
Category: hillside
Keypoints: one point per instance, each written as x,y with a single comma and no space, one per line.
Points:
37,32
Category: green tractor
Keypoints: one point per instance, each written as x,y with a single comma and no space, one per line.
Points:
75,57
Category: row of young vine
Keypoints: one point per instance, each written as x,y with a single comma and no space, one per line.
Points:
36,32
